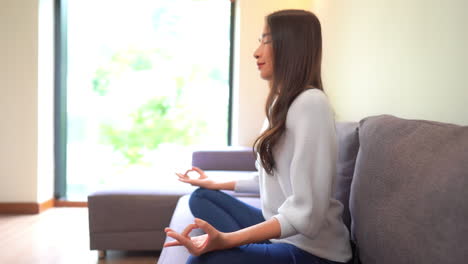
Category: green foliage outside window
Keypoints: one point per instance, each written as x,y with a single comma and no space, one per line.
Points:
120,63
158,121
162,119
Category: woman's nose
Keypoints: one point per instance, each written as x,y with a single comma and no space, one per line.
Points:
257,53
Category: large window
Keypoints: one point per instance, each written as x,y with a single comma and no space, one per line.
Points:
147,82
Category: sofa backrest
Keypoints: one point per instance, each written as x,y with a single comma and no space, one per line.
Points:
227,158
409,195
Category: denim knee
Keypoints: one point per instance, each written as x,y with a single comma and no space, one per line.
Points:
200,193
194,260
213,257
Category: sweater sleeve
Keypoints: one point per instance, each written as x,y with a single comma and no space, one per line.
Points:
249,185
311,125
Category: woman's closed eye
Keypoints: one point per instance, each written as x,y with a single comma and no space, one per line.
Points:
265,39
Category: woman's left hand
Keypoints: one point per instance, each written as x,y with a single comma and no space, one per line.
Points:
210,241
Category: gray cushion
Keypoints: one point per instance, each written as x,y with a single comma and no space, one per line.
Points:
348,146
181,218
409,192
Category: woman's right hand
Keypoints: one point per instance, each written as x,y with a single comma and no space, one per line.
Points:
202,181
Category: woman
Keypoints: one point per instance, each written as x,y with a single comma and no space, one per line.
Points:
299,221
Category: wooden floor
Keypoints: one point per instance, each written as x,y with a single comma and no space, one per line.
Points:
56,236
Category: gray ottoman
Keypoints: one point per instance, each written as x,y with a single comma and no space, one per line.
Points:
132,219
135,219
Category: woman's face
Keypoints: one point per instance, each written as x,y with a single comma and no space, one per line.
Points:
264,55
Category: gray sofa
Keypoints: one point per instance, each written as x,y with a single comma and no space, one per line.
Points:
403,183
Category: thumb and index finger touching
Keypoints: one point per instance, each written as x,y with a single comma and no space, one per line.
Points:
196,169
198,223
205,226
183,239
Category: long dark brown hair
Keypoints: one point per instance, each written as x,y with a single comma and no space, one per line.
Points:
297,58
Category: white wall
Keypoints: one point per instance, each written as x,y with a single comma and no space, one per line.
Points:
250,90
18,101
25,131
406,58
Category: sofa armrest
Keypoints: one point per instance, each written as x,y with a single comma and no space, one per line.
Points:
228,158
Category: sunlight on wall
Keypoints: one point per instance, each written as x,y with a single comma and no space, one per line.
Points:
405,58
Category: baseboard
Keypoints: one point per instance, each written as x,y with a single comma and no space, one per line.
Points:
62,203
36,208
46,205
26,208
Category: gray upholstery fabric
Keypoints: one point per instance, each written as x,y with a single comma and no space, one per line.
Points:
183,217
348,146
130,219
151,240
229,158
410,191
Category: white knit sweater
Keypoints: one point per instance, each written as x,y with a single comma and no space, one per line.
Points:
299,194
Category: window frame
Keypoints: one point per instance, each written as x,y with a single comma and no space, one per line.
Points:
60,93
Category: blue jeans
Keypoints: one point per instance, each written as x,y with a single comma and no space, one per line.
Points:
228,214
